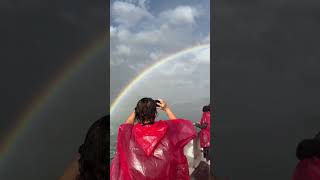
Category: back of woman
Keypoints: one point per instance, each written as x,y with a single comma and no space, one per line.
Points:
152,151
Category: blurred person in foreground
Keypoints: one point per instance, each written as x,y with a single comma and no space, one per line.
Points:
204,125
92,164
150,149
308,153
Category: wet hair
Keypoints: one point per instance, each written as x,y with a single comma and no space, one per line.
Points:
206,108
146,111
93,152
308,148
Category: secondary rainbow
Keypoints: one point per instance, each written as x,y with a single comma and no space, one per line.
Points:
39,100
150,69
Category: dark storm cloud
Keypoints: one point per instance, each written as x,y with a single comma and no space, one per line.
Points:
38,38
266,85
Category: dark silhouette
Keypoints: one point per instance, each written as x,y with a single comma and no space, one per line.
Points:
93,152
317,137
308,148
308,153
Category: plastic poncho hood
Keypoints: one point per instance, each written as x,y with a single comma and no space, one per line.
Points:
148,136
152,151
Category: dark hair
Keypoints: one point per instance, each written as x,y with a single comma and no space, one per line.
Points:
93,152
146,110
206,108
308,148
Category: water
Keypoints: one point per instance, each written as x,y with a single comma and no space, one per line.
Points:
113,142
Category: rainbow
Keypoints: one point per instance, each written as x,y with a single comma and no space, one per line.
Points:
150,69
48,91
56,83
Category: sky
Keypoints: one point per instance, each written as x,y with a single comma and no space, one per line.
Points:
142,32
38,39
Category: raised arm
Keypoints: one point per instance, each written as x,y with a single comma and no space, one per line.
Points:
164,106
201,126
131,118
170,114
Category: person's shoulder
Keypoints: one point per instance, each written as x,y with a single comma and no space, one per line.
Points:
177,121
125,126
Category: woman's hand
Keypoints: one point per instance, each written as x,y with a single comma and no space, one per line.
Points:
201,126
164,106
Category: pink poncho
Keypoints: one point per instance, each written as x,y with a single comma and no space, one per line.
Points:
307,169
205,133
152,151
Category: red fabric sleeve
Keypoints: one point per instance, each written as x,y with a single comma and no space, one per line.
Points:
119,166
181,131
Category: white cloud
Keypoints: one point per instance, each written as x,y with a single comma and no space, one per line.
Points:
150,36
137,66
206,40
183,82
127,14
120,54
203,57
123,50
113,31
156,55
180,66
123,35
181,15
114,62
141,3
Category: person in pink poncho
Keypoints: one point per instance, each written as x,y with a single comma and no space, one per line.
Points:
308,152
149,149
204,133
